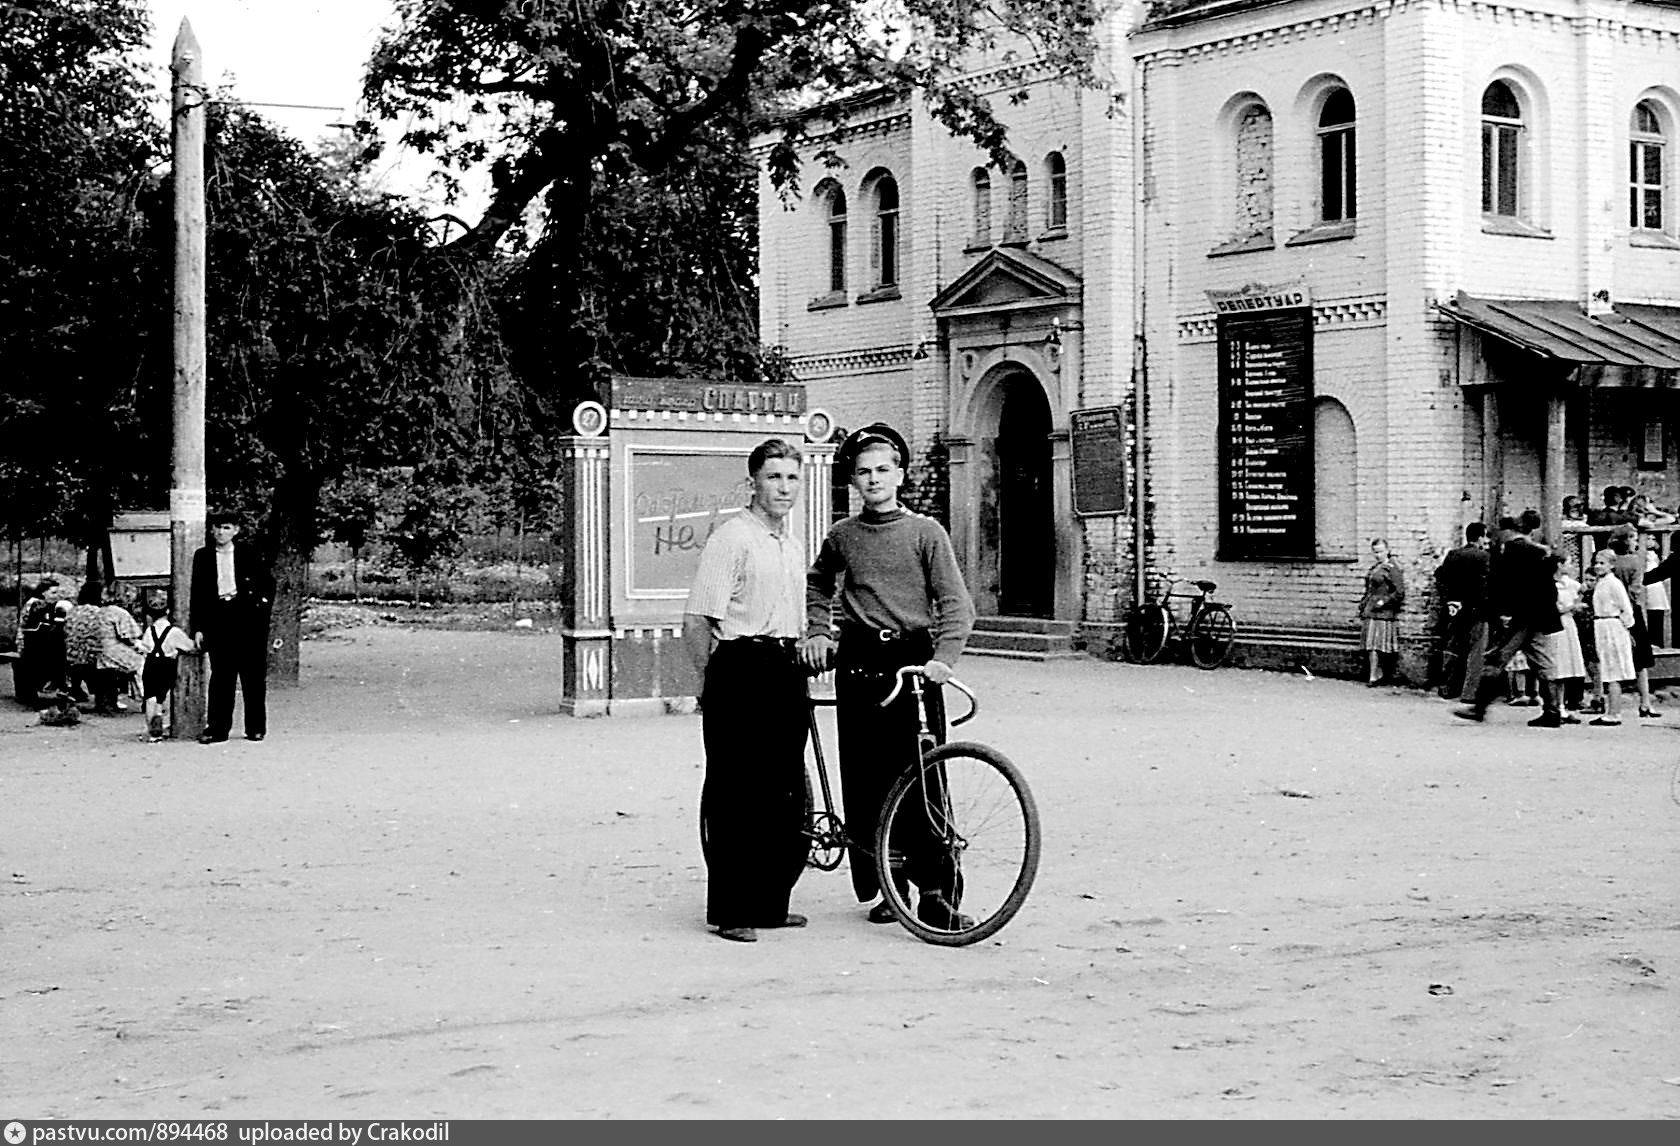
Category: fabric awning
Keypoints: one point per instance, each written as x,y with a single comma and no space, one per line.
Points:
1630,335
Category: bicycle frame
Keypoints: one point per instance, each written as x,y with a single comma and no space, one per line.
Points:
827,830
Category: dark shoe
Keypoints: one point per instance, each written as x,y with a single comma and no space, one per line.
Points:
794,919
1570,718
212,738
936,911
255,735
1649,714
881,913
1546,720
1475,714
1605,722
154,729
738,934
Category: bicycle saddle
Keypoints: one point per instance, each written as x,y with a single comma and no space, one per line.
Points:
1206,586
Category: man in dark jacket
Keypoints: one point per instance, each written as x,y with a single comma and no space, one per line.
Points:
1522,601
232,597
1461,587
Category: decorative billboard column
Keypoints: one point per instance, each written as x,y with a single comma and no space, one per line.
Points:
586,684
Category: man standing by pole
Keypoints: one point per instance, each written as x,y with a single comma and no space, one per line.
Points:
232,595
187,500
741,626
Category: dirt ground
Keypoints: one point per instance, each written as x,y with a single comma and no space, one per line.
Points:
429,895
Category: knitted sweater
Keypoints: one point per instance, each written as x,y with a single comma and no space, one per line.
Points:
895,571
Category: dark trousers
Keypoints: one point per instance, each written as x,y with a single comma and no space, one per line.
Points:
755,722
1536,646
238,656
876,746
1458,631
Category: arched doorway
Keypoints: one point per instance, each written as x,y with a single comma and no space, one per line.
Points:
1026,525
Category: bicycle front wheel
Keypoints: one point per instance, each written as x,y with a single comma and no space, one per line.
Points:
1144,637
1211,636
962,827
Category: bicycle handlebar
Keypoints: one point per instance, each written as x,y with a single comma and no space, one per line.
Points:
915,670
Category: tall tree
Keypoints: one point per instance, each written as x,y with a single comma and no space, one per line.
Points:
628,122
76,144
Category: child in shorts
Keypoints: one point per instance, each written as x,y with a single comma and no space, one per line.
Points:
162,641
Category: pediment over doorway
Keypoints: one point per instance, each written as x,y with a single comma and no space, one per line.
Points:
1007,279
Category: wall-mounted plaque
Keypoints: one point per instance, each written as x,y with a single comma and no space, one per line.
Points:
1265,433
1099,460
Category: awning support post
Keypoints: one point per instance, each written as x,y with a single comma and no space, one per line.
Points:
1551,473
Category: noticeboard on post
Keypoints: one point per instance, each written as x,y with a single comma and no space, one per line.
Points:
675,496
1266,508
1098,437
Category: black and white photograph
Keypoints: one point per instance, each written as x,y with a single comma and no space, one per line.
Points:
743,560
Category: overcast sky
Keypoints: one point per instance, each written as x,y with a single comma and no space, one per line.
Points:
286,52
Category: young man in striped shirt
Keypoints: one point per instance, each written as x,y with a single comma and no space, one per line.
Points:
741,626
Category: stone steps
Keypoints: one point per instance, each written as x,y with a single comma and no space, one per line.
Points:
1022,638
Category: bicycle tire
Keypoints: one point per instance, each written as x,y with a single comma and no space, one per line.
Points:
1211,635
1147,629
987,830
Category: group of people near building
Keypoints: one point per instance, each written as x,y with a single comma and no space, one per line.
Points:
1518,624
884,592
93,652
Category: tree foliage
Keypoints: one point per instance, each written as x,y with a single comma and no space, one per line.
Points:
76,145
629,123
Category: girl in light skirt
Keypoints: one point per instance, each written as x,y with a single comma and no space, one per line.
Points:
1612,618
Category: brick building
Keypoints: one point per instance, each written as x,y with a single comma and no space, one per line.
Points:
1350,270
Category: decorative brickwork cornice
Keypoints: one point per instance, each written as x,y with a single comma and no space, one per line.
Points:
1328,314
1286,31
869,359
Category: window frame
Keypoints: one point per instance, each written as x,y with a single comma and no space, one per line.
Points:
1496,130
837,227
1017,209
980,185
884,251
1056,197
1642,142
1343,135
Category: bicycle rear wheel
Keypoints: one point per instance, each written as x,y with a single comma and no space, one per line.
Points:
964,828
1211,636
1144,637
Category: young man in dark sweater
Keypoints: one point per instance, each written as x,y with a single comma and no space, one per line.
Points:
901,601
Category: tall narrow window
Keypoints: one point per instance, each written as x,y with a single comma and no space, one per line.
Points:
1055,174
1015,225
1645,169
1502,133
1336,158
837,240
1254,173
982,206
886,231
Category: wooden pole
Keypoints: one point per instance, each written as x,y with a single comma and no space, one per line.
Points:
1551,474
188,502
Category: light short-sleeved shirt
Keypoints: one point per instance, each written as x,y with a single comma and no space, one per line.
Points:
751,581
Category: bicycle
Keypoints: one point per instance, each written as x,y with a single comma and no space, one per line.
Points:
1152,625
968,798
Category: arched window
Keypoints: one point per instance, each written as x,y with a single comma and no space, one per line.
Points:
1015,225
886,231
1335,480
1055,175
1645,169
837,240
982,180
1254,172
1502,143
1337,199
